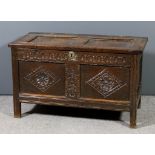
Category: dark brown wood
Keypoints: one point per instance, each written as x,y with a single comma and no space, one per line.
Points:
85,71
15,73
133,93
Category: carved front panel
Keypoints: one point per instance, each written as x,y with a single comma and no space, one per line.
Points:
42,78
72,81
104,82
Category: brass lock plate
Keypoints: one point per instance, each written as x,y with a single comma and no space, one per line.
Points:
72,56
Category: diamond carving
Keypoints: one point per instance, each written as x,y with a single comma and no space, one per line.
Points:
106,83
42,78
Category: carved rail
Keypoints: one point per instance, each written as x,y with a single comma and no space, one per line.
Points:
63,56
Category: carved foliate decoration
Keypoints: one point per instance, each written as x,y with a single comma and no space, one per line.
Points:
63,56
106,83
72,81
103,59
42,79
41,55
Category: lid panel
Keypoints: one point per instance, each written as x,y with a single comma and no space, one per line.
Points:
98,43
58,41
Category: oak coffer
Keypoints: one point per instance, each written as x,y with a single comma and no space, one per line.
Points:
86,71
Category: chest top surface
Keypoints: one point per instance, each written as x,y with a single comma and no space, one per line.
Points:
81,42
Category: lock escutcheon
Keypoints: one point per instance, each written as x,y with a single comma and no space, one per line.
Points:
72,56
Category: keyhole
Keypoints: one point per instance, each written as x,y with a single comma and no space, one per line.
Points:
72,56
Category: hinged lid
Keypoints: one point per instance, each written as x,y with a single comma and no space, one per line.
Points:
95,43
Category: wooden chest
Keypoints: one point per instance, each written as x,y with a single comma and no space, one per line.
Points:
86,71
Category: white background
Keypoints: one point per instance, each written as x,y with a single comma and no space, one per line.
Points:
107,10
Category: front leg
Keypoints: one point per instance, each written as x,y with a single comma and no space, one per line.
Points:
133,116
17,109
